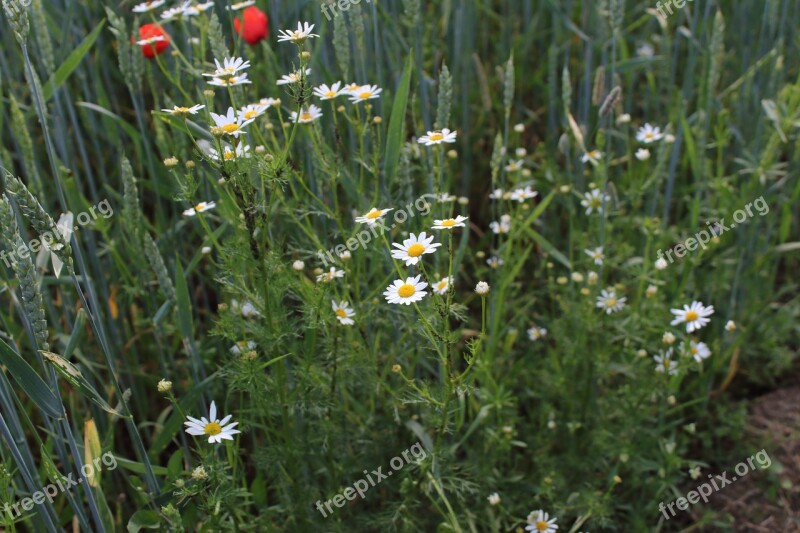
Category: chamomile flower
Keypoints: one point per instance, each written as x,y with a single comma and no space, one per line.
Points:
661,263
240,5
540,522
592,157
730,325
494,262
406,292
443,285
438,137
144,7
181,111
293,77
242,347
175,12
299,35
332,274
520,195
199,208
504,226
247,309
665,363
373,216
364,93
610,302
482,288
450,223
229,67
593,201
325,92
514,166
215,429
230,81
698,350
648,134
192,11
151,40
596,254
242,151
535,333
445,198
229,123
695,316
497,194
642,154
493,498
266,103
307,115
252,111
350,88
344,313
413,248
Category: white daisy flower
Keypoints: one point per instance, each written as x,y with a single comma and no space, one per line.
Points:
242,347
593,201
624,118
610,302
438,137
229,67
373,216
293,77
306,116
592,157
231,81
535,333
144,7
661,263
445,198
192,11
645,50
299,35
266,103
648,134
327,277
344,314
494,262
450,223
642,154
230,123
242,151
668,338
406,292
514,166
329,93
345,255
216,430
247,309
493,498
298,265
199,208
151,40
540,522
482,288
252,111
413,248
181,111
596,254
497,194
520,195
698,350
240,5
504,226
665,363
367,92
175,12
730,325
695,316
443,285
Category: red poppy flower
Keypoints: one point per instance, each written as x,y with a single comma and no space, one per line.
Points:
253,26
153,40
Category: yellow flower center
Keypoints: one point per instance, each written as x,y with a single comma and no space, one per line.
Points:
230,128
596,202
199,207
441,285
212,428
648,136
250,114
365,95
415,250
306,116
693,349
183,109
449,223
611,302
372,215
227,156
436,136
691,316
341,313
541,525
406,291
330,94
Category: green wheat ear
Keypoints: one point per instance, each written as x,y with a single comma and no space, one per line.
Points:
17,15
42,222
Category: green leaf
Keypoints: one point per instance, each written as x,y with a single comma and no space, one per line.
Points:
27,378
71,63
77,333
558,256
139,468
130,130
71,373
394,137
184,304
143,519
